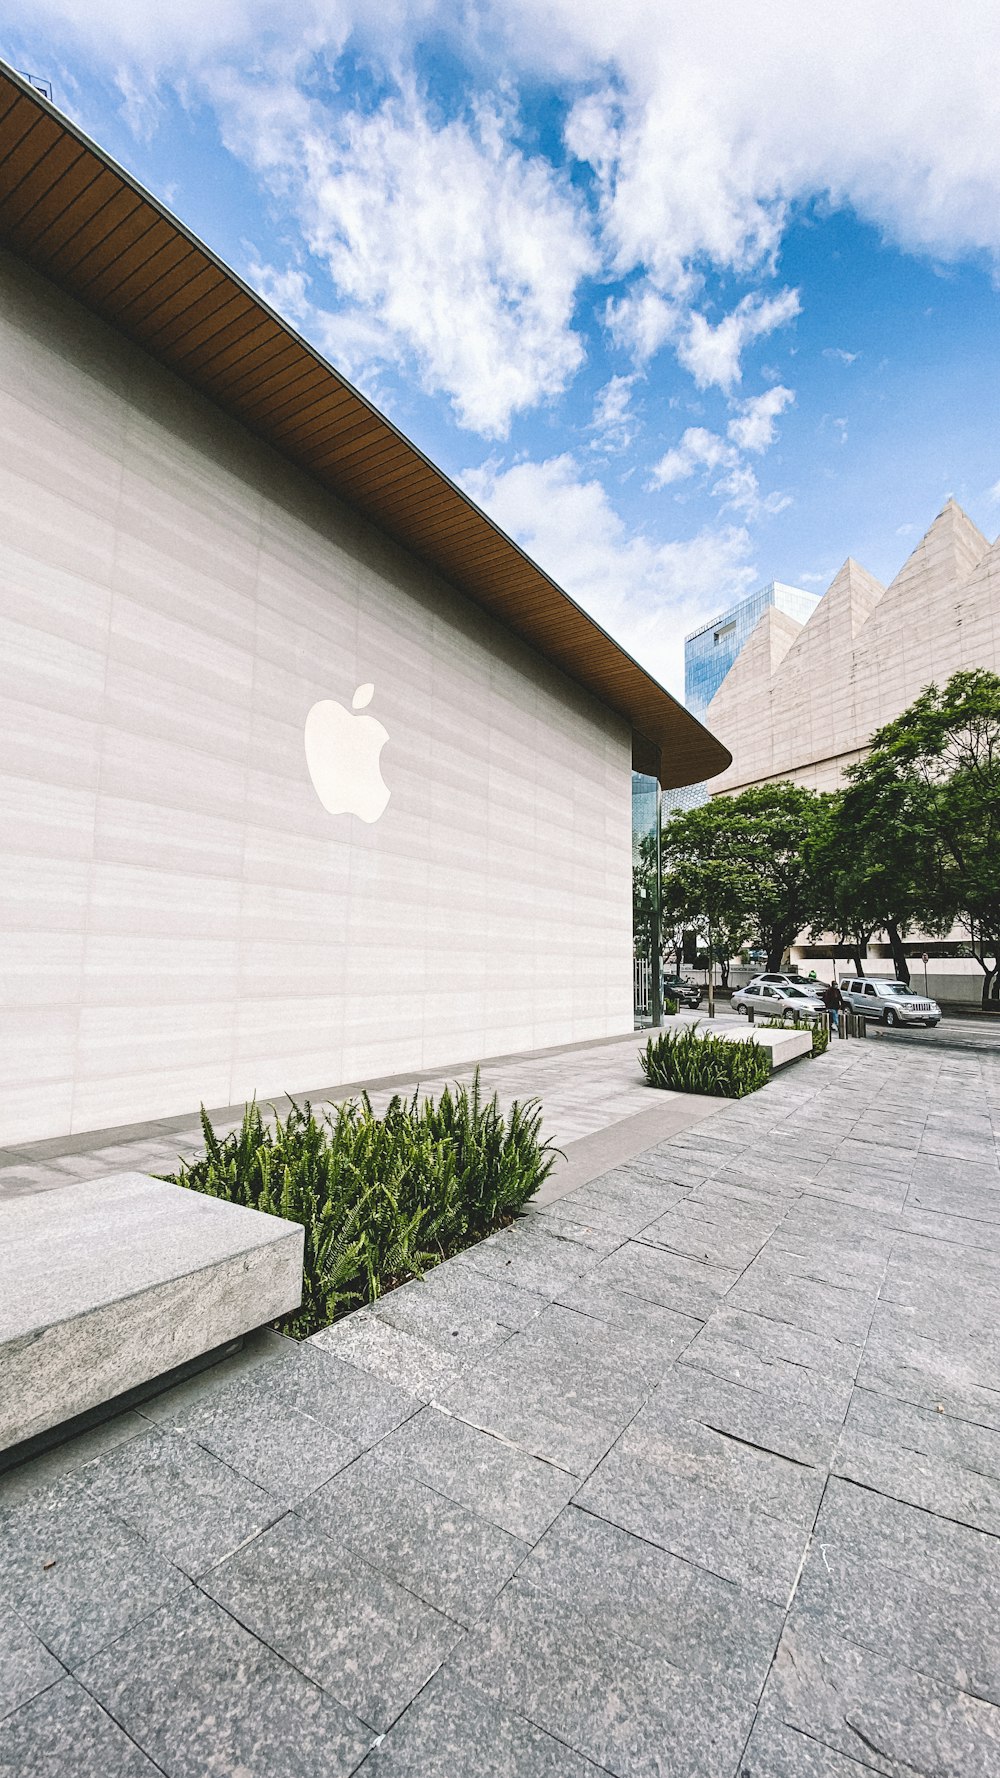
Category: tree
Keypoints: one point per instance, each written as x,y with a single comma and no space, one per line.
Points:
743,863
926,803
864,876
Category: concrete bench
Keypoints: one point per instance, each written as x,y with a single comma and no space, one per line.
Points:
785,1046
108,1284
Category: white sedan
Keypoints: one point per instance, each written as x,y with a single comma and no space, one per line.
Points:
771,1000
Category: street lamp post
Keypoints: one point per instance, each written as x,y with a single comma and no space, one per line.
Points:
655,984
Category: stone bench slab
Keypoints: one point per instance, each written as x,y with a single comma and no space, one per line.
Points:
110,1283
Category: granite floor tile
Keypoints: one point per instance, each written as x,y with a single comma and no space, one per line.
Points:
70,1455
644,1361
76,1574
915,1588
693,1287
337,1394
63,1733
446,1554
776,1751
618,1213
714,1227
366,1641
630,1588
567,1407
923,1456
519,1493
797,1415
638,1318
200,1695
453,1728
270,1442
687,1497
407,1360
456,1306
26,1666
865,1707
627,1709
530,1258
187,1504
765,1353
783,1290
973,1198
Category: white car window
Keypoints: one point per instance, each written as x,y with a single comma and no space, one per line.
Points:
869,989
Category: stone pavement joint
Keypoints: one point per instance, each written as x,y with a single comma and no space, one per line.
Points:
694,1471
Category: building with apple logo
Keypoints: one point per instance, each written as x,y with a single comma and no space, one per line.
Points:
309,774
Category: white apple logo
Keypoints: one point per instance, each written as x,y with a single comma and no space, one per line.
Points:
342,753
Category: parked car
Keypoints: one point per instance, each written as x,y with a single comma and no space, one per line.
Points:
778,979
892,1003
685,992
778,1000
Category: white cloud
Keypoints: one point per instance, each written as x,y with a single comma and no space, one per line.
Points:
286,290
713,354
994,494
839,353
713,124
647,594
754,427
740,492
698,449
642,321
459,251
613,423
443,241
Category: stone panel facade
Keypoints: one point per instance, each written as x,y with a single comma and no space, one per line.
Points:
182,919
803,700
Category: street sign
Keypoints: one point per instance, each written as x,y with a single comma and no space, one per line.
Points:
924,957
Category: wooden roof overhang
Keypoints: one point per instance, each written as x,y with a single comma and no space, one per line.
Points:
79,218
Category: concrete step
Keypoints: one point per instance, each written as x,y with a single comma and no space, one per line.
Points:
109,1283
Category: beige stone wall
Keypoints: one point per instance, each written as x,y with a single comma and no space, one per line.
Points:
803,700
182,920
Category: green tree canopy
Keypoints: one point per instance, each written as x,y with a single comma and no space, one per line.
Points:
745,863
922,814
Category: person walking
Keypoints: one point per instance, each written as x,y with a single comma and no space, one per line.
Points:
834,1002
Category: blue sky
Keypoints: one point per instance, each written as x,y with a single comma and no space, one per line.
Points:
689,297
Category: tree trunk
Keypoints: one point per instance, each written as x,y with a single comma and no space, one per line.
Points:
856,954
899,962
991,980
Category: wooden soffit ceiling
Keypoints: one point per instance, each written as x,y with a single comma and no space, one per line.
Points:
80,219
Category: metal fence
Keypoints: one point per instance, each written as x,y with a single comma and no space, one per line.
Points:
642,980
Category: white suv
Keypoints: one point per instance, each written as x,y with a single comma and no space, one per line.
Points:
892,1003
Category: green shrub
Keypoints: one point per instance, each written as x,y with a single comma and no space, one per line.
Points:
381,1199
816,1027
669,1006
690,1063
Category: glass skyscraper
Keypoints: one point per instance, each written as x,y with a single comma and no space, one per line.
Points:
709,652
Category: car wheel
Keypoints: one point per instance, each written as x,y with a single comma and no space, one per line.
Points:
891,1018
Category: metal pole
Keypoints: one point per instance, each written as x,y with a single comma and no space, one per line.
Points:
655,983
711,972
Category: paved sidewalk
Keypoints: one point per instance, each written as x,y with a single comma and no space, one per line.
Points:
694,1472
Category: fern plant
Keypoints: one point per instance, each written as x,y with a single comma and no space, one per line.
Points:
381,1198
688,1061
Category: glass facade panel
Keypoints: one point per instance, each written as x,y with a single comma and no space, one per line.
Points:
711,651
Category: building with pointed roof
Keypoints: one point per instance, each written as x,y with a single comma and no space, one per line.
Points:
803,699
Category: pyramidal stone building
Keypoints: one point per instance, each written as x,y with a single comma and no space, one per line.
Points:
804,699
